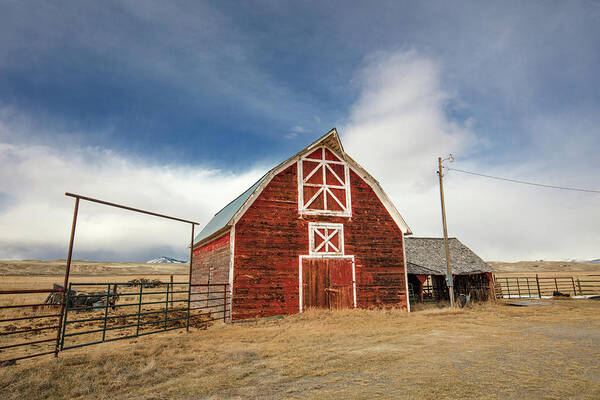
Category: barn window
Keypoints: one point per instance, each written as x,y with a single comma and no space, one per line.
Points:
323,184
325,238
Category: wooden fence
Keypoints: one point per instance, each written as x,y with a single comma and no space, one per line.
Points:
536,286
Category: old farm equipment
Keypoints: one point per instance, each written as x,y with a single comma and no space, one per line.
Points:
83,300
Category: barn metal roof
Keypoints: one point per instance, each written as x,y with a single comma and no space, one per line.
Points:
428,256
220,220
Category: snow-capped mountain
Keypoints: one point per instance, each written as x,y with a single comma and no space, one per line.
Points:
165,260
596,261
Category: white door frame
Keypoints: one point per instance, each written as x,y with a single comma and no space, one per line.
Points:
306,257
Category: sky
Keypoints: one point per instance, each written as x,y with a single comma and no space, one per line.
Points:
179,106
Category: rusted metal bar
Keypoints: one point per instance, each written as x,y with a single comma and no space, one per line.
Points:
537,280
187,325
574,290
107,203
67,272
556,284
26,291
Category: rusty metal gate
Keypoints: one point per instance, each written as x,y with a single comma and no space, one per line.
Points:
32,326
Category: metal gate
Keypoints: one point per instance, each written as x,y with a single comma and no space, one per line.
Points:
32,326
106,312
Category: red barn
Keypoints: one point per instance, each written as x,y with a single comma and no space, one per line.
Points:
315,231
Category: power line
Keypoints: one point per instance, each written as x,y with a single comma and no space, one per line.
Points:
523,182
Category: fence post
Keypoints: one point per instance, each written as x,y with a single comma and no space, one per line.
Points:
172,290
518,287
137,330
67,273
106,312
574,291
224,302
537,280
579,286
528,288
555,284
64,322
187,324
507,287
167,304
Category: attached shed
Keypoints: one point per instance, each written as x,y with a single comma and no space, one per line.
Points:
426,259
315,231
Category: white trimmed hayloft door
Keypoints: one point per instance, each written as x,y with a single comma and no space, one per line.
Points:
323,184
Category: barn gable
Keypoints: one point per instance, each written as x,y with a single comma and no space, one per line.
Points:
276,249
330,147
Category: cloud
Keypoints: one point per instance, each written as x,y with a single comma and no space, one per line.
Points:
36,215
399,125
295,131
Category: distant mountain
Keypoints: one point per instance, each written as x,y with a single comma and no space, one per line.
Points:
596,261
165,260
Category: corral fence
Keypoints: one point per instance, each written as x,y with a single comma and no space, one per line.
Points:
123,310
535,286
103,312
28,325
88,304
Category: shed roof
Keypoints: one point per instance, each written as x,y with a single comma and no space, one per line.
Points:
230,213
428,256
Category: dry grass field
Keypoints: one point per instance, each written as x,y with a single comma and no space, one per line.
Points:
490,351
89,268
554,268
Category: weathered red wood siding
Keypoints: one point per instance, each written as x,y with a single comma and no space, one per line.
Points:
211,259
271,236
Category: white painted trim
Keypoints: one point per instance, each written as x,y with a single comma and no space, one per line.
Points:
354,279
312,230
308,257
405,271
231,269
323,164
351,163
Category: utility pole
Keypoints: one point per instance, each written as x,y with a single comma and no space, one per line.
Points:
449,280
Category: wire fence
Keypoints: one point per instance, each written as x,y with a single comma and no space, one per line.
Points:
535,286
